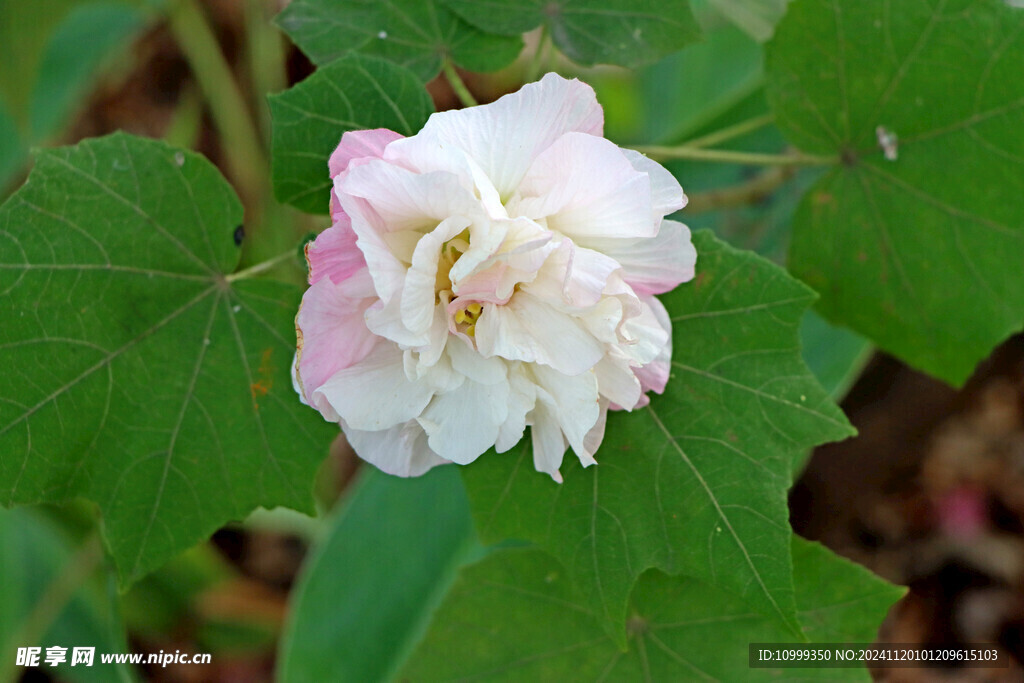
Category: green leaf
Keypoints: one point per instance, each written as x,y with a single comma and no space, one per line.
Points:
387,560
515,617
916,252
135,373
417,34
54,595
353,93
695,483
624,32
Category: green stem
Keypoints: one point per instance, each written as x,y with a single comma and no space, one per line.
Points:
261,267
231,116
733,157
458,85
730,132
539,56
266,52
750,192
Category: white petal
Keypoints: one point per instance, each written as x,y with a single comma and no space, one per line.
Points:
401,450
380,377
403,200
656,265
595,436
385,319
467,361
548,442
530,330
504,137
522,399
573,275
418,296
463,424
654,375
616,380
666,193
649,333
585,187
573,401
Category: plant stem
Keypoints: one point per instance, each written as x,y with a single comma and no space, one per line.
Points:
750,192
231,116
261,267
267,70
457,84
539,56
730,132
733,157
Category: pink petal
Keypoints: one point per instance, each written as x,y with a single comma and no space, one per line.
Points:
334,254
331,328
356,144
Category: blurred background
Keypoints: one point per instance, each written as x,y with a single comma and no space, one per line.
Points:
930,495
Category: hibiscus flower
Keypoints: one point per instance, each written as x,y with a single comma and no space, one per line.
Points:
495,271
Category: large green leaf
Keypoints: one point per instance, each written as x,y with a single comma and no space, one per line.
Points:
695,483
135,373
352,93
624,32
387,560
515,617
918,251
418,34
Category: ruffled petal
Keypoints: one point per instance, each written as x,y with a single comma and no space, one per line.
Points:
380,375
334,254
585,187
573,275
462,424
521,400
657,265
418,295
331,330
548,442
528,329
666,192
504,137
573,401
654,375
617,381
401,450
356,144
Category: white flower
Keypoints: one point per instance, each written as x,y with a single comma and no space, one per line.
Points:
493,272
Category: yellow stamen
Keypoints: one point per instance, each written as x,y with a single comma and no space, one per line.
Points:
474,309
461,317
471,330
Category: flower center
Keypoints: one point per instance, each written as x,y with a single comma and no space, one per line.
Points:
450,253
468,316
